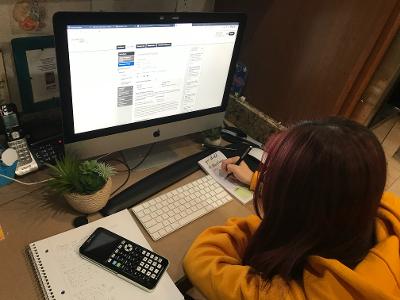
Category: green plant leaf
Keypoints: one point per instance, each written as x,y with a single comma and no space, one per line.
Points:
73,176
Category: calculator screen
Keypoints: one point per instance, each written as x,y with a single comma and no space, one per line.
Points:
101,245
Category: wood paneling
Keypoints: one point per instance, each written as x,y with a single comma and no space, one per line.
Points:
304,56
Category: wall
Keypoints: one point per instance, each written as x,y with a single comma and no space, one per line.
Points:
8,32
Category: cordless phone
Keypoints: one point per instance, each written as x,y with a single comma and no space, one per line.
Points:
16,140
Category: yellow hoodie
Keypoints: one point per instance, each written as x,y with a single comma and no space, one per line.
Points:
213,264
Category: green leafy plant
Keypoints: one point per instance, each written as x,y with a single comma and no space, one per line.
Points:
82,177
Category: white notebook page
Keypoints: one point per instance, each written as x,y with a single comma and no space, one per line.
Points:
69,276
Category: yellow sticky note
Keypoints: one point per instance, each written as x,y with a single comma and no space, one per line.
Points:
243,192
2,237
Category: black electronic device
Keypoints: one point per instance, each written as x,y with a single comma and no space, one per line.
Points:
33,154
235,131
48,150
235,135
167,176
16,140
126,259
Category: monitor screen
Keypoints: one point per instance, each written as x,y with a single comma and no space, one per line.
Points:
131,79
128,73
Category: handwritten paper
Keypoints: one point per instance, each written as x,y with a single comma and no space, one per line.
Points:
212,166
68,276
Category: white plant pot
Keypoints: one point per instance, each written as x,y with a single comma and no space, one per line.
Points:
215,142
90,203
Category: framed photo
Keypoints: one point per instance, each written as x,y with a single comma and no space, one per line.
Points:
4,92
36,68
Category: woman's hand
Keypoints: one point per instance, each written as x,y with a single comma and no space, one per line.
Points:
241,172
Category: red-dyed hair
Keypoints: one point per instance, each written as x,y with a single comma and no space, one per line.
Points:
318,194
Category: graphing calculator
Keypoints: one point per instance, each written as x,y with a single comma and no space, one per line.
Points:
124,258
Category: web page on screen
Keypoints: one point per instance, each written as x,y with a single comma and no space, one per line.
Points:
122,74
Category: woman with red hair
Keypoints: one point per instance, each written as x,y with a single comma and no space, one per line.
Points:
324,227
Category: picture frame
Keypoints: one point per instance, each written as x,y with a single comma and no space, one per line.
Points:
4,91
36,69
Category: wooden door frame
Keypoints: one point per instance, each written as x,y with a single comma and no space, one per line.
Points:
351,95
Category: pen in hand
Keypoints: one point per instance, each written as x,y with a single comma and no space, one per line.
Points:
240,159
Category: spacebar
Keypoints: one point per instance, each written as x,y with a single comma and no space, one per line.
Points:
192,217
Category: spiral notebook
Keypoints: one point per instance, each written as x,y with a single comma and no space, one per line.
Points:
63,274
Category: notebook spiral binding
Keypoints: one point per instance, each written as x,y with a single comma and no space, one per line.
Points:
41,272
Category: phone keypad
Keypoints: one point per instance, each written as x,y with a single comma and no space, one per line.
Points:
142,265
24,156
48,151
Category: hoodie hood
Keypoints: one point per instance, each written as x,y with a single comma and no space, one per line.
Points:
376,277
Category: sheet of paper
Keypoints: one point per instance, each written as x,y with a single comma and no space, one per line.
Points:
257,153
212,165
72,277
43,72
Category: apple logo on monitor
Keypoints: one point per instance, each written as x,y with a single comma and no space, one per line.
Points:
156,133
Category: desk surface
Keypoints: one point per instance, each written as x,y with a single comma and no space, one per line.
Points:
31,213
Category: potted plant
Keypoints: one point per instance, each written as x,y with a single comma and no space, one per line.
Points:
86,185
212,136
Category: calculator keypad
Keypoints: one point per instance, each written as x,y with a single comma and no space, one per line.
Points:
141,265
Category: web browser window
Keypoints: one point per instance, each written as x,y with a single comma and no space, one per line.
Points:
122,74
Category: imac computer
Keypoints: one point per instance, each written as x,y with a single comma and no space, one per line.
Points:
130,79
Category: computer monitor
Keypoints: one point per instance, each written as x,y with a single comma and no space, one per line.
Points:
129,79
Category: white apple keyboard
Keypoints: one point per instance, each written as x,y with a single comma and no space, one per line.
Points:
166,213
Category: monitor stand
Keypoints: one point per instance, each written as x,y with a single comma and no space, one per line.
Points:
161,154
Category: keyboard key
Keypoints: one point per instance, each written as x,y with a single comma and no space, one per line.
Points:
175,225
137,208
155,228
150,223
156,236
192,216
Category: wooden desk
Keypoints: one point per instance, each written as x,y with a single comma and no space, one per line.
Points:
31,213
